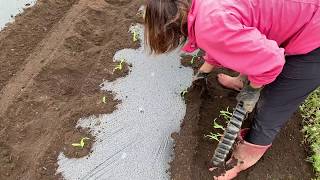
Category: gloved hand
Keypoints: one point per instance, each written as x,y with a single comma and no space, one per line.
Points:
249,96
200,78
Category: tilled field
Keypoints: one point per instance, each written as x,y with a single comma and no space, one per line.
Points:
53,59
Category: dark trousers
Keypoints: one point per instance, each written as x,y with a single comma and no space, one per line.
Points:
280,99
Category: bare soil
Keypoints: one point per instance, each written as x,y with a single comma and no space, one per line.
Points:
52,60
285,160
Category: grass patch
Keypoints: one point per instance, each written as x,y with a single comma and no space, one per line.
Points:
310,112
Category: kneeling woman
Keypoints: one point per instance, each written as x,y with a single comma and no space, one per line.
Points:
274,43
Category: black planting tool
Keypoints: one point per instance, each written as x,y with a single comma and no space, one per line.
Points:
230,134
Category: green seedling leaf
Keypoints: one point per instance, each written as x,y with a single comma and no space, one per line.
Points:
104,99
193,58
135,36
81,144
119,66
217,125
213,136
226,114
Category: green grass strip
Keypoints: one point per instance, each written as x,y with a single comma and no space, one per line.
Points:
310,112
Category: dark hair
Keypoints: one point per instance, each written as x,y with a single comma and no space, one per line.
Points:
166,24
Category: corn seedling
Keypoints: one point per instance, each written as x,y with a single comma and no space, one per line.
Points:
226,114
104,99
183,93
194,57
81,144
217,125
119,66
213,136
192,60
135,35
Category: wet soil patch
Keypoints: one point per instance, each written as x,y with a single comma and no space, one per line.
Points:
285,160
41,120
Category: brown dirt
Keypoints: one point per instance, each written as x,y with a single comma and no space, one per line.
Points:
18,40
52,60
285,160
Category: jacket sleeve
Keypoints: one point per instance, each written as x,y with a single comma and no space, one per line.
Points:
243,49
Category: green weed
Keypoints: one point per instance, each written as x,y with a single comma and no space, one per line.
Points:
310,112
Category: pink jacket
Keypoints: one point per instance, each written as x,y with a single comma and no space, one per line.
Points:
253,36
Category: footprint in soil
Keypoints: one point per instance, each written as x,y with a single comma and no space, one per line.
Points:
98,18
118,2
97,35
60,82
76,44
96,27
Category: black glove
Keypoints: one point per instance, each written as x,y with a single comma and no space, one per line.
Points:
200,78
249,96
